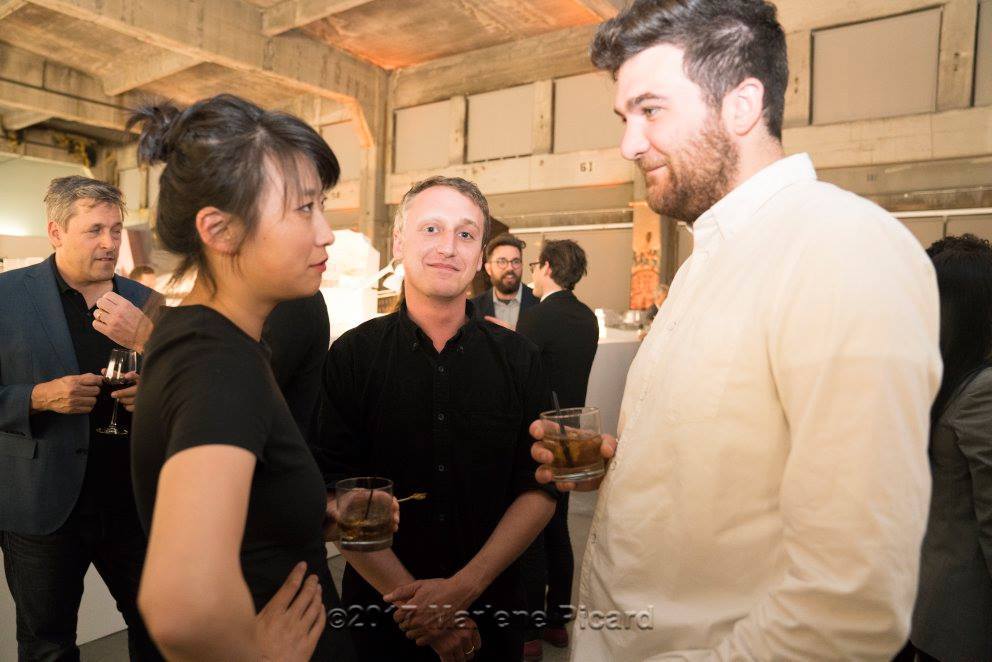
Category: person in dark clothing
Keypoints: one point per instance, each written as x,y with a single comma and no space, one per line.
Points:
566,332
438,401
232,497
952,618
65,488
508,297
297,334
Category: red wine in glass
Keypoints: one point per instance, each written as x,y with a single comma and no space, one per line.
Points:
122,362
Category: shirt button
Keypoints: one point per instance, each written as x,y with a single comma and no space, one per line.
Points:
440,518
440,417
440,468
440,368
672,325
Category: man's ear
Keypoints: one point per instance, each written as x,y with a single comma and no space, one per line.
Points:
489,269
743,106
397,246
55,233
218,231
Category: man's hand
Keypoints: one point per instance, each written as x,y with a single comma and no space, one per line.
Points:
498,321
72,394
428,605
544,457
121,321
331,533
458,644
126,396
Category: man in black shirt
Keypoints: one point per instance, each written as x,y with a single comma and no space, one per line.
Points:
65,489
566,332
439,402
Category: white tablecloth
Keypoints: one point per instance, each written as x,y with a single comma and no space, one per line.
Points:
609,374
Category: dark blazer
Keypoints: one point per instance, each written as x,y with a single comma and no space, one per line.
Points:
953,615
42,457
567,334
484,302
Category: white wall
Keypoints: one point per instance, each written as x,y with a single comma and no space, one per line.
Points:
23,183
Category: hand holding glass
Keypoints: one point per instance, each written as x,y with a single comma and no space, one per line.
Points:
122,362
574,436
365,513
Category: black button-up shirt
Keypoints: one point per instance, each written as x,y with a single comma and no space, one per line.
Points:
453,424
107,483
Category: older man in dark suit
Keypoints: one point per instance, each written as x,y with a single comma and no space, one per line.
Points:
65,489
566,332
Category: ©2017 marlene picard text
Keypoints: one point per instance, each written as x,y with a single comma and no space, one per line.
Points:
370,616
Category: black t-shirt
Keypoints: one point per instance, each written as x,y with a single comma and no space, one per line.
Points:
207,382
298,333
107,481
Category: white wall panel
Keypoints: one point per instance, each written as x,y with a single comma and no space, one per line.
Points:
500,123
344,141
421,137
584,117
876,69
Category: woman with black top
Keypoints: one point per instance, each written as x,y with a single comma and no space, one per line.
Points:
953,615
233,501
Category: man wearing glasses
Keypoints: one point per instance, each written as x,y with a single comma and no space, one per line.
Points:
508,297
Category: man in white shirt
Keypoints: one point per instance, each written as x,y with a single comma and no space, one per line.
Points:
768,495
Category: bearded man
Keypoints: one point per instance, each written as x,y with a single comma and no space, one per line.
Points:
768,495
508,297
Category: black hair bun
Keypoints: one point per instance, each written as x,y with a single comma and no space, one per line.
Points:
158,122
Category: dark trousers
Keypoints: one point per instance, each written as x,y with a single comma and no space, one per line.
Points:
911,653
548,565
377,637
385,641
45,574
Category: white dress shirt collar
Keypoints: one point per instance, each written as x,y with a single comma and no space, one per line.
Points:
732,212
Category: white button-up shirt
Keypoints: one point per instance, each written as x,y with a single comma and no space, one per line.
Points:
769,493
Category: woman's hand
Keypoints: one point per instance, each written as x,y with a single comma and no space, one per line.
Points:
289,626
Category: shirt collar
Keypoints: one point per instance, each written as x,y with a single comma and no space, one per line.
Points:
733,212
65,287
414,336
516,297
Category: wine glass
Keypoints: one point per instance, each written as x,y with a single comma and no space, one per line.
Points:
122,362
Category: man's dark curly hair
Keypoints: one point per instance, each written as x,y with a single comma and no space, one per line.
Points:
725,41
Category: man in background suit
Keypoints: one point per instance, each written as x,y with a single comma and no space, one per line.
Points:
508,297
65,489
566,332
